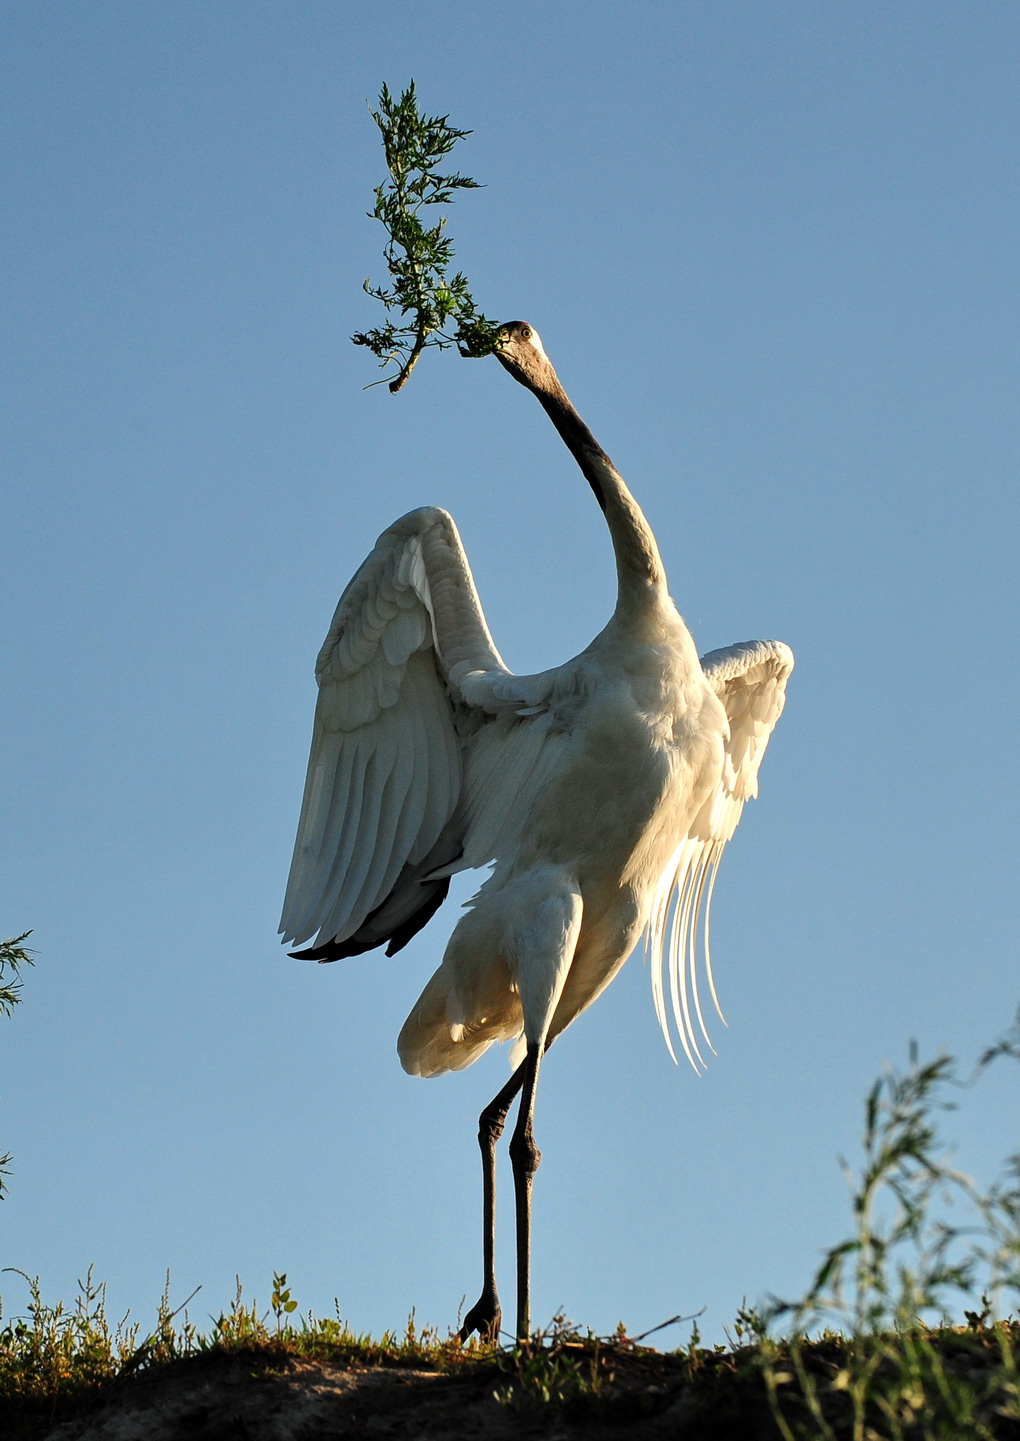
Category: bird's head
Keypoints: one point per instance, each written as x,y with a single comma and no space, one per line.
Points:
521,353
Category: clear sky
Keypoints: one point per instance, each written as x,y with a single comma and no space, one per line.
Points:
772,251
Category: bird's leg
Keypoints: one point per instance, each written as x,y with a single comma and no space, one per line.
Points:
485,1315
525,1156
546,934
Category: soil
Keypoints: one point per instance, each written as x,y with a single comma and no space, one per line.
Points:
249,1396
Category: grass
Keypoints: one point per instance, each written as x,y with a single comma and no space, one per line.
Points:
57,1362
869,1353
55,1350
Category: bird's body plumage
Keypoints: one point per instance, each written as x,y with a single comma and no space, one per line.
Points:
602,791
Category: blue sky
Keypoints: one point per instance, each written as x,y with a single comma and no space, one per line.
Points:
772,251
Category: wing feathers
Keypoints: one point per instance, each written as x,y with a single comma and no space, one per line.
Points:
509,762
750,680
428,757
385,770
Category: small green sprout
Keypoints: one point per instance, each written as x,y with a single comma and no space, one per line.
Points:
418,255
281,1300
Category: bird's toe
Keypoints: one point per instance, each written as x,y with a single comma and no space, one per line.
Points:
484,1317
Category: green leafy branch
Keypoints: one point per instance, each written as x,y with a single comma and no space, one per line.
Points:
13,955
434,308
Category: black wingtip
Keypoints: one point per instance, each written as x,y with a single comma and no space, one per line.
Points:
398,938
421,917
335,950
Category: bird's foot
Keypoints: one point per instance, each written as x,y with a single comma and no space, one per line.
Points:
484,1317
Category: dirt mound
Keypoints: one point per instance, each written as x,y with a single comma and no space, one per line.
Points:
251,1397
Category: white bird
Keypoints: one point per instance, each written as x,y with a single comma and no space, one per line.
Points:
602,791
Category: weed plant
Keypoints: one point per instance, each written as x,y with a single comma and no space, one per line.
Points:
871,1353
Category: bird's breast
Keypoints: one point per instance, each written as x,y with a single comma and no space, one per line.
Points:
643,753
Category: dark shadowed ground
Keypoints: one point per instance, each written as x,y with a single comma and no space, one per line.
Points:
258,1396
956,1384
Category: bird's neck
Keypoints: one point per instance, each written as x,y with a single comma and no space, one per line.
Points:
640,574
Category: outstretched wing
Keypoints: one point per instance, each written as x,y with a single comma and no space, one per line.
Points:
385,771
750,680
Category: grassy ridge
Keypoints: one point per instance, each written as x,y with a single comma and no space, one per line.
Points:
868,1354
955,1383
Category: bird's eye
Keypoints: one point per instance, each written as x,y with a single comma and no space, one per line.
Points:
525,332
